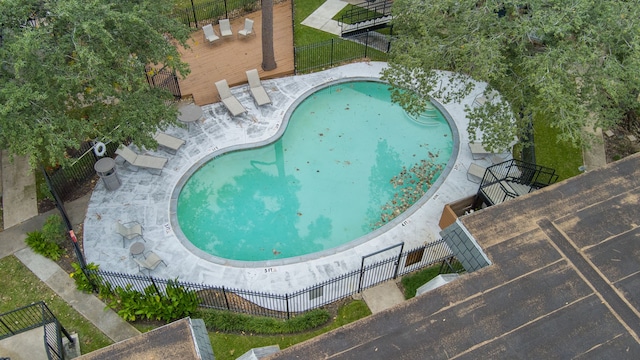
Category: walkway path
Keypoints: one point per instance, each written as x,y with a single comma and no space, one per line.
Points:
12,242
321,18
19,190
86,304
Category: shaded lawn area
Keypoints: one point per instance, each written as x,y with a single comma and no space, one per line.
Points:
20,287
564,158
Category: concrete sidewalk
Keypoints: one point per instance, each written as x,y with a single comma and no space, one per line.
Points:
18,190
12,241
86,304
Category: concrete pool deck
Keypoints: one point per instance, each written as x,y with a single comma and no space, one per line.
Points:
145,197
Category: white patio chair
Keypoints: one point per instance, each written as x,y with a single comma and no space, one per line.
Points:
171,143
248,28
230,102
209,33
129,231
145,161
257,90
150,262
225,28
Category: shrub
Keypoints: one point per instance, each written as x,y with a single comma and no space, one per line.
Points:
41,245
219,320
82,282
175,303
54,230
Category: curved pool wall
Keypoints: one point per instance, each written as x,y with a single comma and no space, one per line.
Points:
279,133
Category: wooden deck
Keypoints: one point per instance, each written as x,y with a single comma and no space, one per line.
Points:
229,58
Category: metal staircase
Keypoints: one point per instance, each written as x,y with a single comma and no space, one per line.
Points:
513,178
366,16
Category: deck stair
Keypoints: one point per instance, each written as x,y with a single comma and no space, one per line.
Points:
366,16
513,178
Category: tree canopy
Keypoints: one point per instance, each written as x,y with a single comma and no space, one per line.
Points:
571,63
74,70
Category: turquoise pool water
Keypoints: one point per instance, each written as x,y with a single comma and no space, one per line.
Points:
321,185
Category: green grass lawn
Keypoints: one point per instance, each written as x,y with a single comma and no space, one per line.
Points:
363,14
412,282
21,287
231,346
304,35
564,158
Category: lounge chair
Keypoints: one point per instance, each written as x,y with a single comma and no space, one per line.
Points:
478,151
171,143
144,161
475,173
129,231
231,102
482,98
225,28
209,34
248,28
257,90
150,262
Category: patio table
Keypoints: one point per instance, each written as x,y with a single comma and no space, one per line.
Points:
189,114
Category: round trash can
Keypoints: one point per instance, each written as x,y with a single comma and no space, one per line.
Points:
106,170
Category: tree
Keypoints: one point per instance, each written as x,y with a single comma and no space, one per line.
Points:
571,63
74,70
268,57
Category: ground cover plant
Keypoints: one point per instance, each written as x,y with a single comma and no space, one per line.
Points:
21,287
229,346
561,156
411,282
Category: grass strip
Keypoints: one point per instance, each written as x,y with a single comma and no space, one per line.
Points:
412,282
228,346
20,287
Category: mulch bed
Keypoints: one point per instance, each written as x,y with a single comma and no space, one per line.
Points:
619,146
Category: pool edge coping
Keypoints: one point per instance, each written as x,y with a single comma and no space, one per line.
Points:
397,221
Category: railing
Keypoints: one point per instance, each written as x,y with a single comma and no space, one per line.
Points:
287,305
67,179
334,52
365,16
164,78
210,12
31,317
500,179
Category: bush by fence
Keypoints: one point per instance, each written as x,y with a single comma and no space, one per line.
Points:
281,305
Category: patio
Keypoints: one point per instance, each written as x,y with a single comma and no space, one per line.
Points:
229,58
146,198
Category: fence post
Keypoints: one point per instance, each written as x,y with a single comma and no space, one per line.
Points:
361,275
226,12
331,54
286,297
65,218
366,44
395,274
226,301
155,287
195,18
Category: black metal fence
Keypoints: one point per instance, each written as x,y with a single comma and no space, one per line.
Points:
210,12
319,56
65,180
31,317
164,78
286,305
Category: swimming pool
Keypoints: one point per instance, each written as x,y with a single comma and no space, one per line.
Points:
320,186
